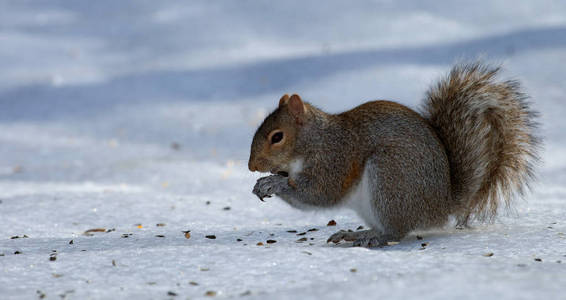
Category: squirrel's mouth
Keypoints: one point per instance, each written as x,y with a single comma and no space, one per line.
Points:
282,173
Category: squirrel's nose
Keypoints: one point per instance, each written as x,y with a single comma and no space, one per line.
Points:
252,166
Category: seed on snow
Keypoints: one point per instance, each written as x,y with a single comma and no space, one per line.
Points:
210,293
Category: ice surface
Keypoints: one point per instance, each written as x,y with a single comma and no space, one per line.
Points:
124,115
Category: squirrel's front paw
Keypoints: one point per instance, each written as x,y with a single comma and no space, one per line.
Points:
265,187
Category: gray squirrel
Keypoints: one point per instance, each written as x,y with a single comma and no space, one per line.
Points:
473,145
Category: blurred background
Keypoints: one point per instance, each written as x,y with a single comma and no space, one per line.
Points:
90,83
114,113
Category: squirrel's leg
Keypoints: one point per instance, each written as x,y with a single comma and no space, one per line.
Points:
279,185
365,238
298,191
462,221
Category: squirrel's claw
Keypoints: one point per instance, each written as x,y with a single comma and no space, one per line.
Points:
261,197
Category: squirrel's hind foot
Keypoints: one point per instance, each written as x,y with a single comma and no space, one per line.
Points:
365,238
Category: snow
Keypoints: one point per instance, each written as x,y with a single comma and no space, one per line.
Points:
115,114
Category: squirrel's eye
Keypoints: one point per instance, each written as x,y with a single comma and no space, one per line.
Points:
277,137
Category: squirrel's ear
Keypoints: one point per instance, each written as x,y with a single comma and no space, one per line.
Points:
297,108
283,100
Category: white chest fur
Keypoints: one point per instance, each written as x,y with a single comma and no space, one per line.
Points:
361,198
295,167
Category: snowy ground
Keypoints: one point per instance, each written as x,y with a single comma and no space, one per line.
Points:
122,116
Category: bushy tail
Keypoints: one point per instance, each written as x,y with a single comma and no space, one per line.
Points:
488,129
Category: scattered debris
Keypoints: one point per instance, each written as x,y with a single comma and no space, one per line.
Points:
90,231
353,270
246,293
160,224
424,244
40,294
489,254
71,242
259,244
55,275
210,293
139,226
271,241
291,231
226,208
175,146
360,227
110,230
152,283
207,202
66,293
114,263
53,256
211,236
17,252
159,235
521,265
306,252
205,269
302,233
126,235
538,259
170,293
187,234
193,283
301,240
331,223
238,240
312,229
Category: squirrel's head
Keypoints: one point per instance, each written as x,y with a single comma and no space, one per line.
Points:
274,141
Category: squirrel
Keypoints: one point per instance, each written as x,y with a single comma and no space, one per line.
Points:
472,146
